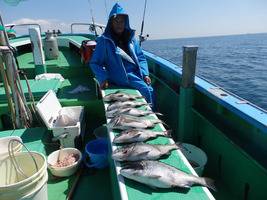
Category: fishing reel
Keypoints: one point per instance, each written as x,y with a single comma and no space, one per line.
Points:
92,28
143,38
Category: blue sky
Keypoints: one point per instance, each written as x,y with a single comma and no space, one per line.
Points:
164,18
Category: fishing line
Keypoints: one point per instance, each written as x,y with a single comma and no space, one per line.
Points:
106,8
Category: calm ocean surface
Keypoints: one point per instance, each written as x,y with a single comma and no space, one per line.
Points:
237,63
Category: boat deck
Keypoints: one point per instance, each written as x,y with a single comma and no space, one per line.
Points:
225,158
93,183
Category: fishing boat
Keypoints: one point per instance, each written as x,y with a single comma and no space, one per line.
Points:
229,129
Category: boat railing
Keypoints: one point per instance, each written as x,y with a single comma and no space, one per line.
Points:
92,26
11,26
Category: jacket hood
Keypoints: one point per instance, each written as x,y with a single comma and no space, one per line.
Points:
118,10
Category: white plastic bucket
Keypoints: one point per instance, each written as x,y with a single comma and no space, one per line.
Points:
196,157
13,185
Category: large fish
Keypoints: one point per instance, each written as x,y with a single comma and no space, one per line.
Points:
160,175
124,122
143,151
125,104
138,135
130,111
120,96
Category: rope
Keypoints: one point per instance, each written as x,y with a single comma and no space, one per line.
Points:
13,159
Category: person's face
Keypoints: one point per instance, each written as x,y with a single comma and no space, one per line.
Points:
118,24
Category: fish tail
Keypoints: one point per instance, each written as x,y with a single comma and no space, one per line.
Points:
167,133
208,182
156,121
164,123
179,145
174,146
158,113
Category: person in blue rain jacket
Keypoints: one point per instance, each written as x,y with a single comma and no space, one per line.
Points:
118,58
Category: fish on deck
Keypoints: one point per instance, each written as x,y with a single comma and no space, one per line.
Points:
124,122
142,151
160,175
138,135
126,104
120,96
130,111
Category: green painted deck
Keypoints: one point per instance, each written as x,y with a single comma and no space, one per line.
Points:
38,88
93,183
138,191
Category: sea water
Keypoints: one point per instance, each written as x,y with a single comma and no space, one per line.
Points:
238,63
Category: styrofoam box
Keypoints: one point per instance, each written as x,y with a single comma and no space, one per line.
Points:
50,109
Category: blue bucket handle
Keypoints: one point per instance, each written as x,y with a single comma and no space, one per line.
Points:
84,161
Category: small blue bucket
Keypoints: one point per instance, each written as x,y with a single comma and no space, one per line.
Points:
97,151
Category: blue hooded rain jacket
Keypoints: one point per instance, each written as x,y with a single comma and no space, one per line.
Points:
111,63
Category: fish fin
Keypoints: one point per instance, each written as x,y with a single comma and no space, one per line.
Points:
185,186
154,176
157,121
136,136
165,124
118,91
144,153
153,187
132,165
210,183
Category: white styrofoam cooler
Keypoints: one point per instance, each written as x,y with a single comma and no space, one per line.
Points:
51,111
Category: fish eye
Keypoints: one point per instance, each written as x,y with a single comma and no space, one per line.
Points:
125,151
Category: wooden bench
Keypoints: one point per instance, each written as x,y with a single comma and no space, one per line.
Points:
128,189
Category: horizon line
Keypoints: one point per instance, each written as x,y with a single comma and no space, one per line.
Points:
205,36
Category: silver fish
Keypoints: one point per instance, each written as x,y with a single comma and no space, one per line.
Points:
160,175
124,122
130,111
143,151
138,135
125,104
120,96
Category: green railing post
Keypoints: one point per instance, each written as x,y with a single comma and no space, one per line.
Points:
185,133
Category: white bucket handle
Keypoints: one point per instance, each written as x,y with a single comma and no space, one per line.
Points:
13,160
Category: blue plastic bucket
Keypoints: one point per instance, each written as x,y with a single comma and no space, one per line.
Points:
97,151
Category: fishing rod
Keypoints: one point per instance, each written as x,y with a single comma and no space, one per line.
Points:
141,37
93,20
11,77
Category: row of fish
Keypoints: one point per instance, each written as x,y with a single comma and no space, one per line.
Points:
140,158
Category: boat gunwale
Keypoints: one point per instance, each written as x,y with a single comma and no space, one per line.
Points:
247,110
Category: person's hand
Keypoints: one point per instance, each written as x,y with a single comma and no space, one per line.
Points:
147,80
104,85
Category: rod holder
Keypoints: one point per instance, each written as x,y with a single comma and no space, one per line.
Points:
189,66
